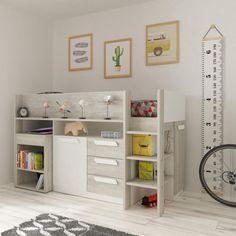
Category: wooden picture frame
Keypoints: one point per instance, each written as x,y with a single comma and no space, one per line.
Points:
118,58
80,52
162,43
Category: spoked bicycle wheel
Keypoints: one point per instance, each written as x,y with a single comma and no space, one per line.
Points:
217,173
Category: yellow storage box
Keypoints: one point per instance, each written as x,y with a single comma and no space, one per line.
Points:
144,145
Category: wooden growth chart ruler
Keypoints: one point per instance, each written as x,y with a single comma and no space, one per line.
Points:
212,100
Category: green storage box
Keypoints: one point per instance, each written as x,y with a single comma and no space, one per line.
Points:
146,170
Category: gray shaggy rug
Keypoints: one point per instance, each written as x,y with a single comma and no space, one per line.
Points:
54,225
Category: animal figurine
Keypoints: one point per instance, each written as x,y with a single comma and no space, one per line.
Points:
75,128
63,108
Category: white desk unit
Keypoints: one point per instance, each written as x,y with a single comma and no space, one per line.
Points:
102,168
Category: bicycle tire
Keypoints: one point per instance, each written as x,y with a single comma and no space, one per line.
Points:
201,173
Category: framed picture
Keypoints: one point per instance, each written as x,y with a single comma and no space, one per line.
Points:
81,52
162,43
118,58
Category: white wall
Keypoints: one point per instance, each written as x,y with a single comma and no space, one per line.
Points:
195,18
25,67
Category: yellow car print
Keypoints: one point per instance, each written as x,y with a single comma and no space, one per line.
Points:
157,43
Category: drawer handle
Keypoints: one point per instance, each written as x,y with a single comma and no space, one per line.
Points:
105,161
105,180
68,140
106,143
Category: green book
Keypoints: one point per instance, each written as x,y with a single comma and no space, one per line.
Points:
38,161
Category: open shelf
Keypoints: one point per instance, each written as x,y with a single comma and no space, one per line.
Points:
146,158
32,135
33,143
149,184
94,128
145,211
34,171
143,158
33,118
141,132
29,186
70,119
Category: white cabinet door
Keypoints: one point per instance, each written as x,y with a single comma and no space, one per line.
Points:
70,165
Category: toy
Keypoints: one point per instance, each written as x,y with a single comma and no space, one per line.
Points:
45,105
75,128
63,108
150,201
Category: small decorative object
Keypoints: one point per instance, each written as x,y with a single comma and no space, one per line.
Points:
81,104
23,112
108,101
110,134
118,58
75,127
63,108
144,108
162,43
46,106
80,52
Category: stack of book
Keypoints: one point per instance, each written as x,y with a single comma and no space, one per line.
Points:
30,160
42,131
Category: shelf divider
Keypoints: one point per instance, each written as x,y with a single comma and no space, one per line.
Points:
34,171
143,158
141,132
149,184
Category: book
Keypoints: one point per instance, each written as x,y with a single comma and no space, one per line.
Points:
47,130
38,158
18,160
22,161
40,183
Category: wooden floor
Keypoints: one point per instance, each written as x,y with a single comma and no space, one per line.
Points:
186,216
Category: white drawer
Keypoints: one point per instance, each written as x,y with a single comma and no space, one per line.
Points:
106,148
105,186
105,166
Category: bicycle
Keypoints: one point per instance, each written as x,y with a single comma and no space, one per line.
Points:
217,172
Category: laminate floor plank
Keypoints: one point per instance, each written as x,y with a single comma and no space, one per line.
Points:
187,215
